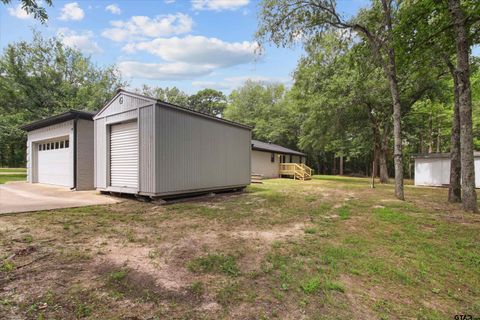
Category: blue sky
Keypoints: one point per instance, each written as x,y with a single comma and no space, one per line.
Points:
191,44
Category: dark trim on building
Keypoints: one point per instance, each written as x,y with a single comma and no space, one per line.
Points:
74,146
59,118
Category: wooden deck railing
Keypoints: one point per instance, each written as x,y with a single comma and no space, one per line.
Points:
298,171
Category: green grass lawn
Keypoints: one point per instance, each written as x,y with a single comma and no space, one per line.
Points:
20,170
329,248
12,177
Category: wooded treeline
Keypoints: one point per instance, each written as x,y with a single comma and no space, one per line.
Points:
371,90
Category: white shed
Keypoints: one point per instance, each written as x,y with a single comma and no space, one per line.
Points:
433,169
60,150
148,147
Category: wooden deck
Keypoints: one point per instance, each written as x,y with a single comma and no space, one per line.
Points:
298,171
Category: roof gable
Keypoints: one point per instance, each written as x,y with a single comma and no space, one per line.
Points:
124,101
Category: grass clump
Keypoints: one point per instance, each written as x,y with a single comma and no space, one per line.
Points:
215,263
311,285
344,213
117,276
310,230
7,266
197,288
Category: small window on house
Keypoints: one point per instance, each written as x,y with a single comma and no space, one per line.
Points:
52,145
57,145
48,146
66,143
291,159
40,147
272,157
61,144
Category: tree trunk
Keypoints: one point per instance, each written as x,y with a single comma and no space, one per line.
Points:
382,159
438,139
469,195
391,73
455,189
341,165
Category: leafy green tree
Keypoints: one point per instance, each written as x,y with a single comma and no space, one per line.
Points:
444,31
41,78
267,108
208,101
34,7
284,22
171,95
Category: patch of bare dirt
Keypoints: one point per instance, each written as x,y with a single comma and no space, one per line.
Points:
272,235
354,292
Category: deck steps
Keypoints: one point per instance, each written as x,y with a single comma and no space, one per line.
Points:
297,171
256,178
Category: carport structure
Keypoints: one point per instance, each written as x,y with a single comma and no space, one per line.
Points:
60,150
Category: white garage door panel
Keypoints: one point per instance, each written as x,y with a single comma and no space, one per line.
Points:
124,155
55,167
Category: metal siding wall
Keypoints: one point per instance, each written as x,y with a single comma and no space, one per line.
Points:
477,171
195,153
124,116
114,113
146,121
100,153
85,158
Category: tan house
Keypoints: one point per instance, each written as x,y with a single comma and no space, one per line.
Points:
273,161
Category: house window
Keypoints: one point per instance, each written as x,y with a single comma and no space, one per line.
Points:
57,145
61,144
66,143
290,158
40,147
48,146
272,157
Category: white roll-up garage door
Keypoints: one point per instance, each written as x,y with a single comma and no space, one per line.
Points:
124,155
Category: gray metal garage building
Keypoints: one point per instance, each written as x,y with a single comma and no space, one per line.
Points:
59,150
149,147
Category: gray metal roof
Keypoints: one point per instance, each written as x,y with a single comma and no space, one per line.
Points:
438,155
59,118
186,109
270,147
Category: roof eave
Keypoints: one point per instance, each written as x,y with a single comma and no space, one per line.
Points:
59,118
293,152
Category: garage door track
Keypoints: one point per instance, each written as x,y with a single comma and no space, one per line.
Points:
24,197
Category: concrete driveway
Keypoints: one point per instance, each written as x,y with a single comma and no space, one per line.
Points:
24,197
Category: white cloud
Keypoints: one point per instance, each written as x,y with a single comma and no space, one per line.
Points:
82,41
113,9
198,50
142,26
218,5
162,71
235,82
72,11
169,1
19,12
